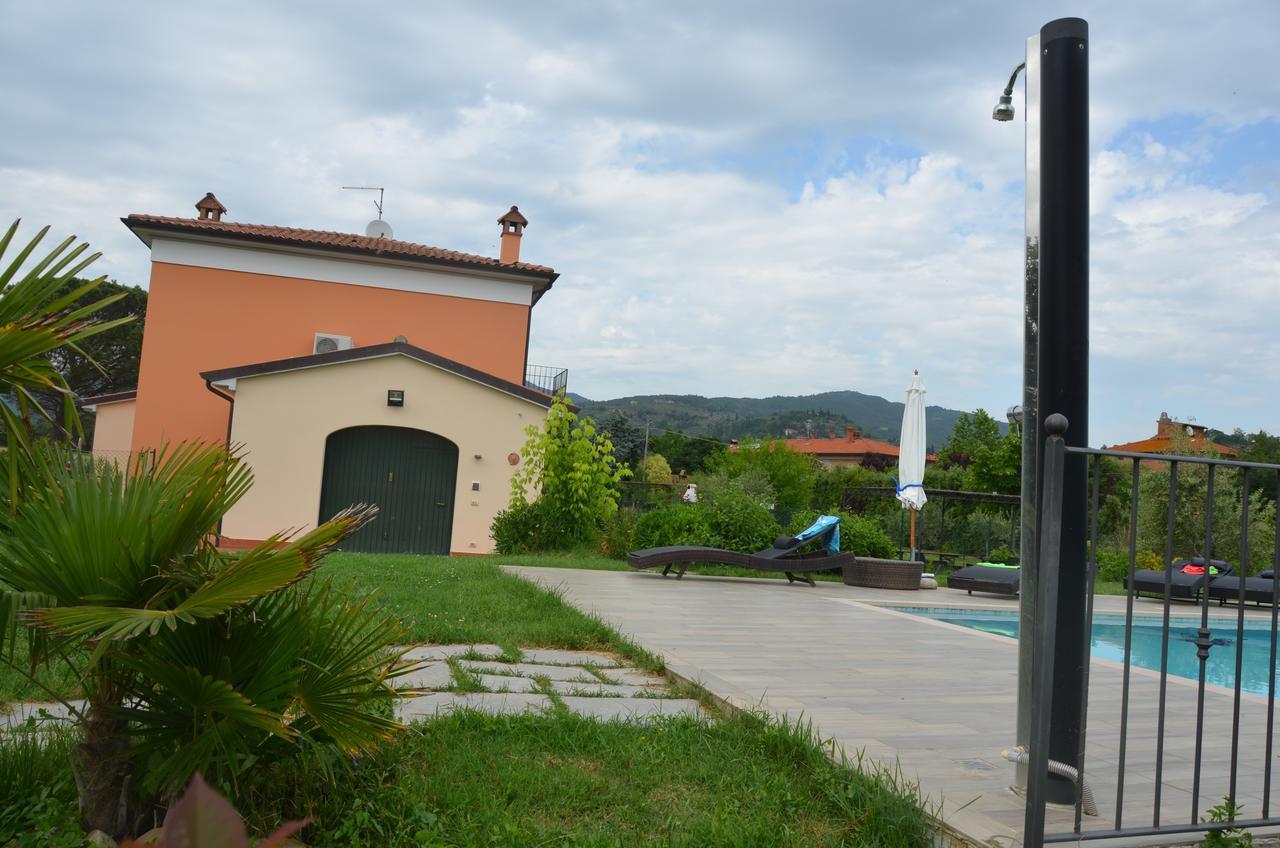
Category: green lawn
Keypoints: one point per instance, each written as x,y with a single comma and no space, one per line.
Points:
510,781
471,779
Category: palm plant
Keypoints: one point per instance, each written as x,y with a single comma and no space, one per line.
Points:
36,318
191,659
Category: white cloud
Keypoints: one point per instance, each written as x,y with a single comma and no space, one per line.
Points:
741,200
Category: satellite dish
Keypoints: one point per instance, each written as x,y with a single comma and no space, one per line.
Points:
378,229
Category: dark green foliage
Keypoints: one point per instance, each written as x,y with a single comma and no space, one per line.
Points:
1113,566
525,528
790,473
627,438
829,484
37,793
690,454
619,536
736,522
675,524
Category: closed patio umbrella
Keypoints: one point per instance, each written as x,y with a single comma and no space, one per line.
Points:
911,455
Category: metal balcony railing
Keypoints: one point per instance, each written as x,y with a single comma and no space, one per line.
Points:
546,378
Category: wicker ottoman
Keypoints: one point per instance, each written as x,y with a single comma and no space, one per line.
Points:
873,573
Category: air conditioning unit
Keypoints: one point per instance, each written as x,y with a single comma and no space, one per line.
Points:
328,343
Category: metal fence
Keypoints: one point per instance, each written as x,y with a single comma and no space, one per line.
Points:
1163,749
546,378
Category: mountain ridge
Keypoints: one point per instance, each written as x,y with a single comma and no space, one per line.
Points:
822,414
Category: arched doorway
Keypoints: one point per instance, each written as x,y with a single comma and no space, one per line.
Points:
409,474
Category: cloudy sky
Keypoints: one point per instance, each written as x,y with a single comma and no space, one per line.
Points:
742,198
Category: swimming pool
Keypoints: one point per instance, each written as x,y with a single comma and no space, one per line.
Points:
1108,642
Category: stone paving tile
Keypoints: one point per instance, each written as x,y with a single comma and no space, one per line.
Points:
44,714
555,672
443,652
503,683
633,676
561,687
615,709
554,657
435,675
443,703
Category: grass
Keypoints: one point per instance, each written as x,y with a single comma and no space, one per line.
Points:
472,779
507,781
471,600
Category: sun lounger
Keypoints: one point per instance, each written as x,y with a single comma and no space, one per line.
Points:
992,578
1181,584
1259,589
783,556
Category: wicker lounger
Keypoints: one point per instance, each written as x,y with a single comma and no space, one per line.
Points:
797,567
984,578
873,573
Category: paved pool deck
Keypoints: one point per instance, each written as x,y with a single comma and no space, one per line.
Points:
936,698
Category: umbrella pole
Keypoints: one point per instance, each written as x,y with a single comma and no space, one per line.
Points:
913,533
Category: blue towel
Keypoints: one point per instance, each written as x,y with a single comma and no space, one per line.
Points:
828,527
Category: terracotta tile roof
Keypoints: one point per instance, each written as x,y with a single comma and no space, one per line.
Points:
1165,444
842,447
345,242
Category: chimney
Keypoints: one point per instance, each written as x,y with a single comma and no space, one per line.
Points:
513,224
1164,425
210,208
851,434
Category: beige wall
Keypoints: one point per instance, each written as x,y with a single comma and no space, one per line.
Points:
113,430
282,420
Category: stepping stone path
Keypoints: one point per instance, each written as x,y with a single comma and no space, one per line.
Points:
589,684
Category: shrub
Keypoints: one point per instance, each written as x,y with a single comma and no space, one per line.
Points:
656,469
738,523
859,534
521,529
791,474
1002,553
619,535
674,524
752,482
1112,566
570,468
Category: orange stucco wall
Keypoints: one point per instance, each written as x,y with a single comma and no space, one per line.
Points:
199,319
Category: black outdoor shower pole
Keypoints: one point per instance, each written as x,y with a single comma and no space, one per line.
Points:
1063,352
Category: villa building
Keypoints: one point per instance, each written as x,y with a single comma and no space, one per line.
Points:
346,368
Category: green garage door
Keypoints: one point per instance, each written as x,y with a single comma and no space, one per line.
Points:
409,474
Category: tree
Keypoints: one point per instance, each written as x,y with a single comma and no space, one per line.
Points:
1262,447
570,469
657,470
998,467
688,453
190,659
792,474
972,432
627,438
38,315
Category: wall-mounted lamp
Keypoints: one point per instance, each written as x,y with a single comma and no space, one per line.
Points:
395,397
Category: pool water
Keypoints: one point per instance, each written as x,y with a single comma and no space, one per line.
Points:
1108,643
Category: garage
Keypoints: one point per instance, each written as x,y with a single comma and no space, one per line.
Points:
410,475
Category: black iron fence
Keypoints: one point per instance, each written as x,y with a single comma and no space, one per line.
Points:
1176,734
546,378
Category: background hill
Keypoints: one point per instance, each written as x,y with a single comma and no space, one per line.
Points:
739,418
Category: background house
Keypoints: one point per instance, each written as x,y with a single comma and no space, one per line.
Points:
1172,436
853,449
350,368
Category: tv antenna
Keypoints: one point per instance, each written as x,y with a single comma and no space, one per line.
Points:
377,228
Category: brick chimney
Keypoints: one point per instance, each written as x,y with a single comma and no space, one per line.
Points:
852,433
513,224
210,208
